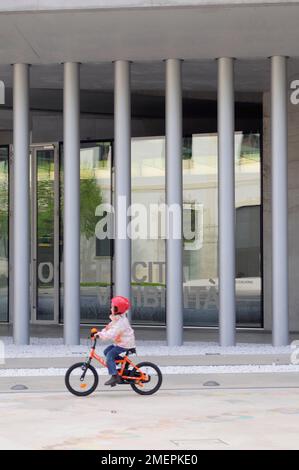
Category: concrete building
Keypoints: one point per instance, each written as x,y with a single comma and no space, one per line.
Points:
186,102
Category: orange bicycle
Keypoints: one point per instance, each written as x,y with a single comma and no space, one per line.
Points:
82,379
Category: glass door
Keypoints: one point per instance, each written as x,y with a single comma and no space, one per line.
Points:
45,233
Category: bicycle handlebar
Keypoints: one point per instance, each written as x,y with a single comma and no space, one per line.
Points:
93,331
94,341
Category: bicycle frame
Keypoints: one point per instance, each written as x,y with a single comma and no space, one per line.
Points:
143,377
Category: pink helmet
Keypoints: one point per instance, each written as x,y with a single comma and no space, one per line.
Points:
120,304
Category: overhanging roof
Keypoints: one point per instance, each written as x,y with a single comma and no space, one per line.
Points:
199,32
66,5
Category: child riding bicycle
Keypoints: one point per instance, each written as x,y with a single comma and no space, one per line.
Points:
120,332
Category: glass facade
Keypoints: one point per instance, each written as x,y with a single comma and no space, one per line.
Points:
200,227
4,232
200,224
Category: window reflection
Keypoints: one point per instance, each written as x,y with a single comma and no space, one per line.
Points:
248,229
148,255
200,255
95,189
4,233
45,233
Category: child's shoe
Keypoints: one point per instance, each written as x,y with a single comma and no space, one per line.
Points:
114,379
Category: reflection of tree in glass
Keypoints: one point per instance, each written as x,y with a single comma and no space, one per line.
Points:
45,207
250,148
90,198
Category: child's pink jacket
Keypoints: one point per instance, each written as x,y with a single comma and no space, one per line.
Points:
119,331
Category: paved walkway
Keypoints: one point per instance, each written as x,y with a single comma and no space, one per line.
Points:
246,411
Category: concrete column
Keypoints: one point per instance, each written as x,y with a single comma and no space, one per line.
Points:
122,164
174,198
226,202
71,171
21,232
280,330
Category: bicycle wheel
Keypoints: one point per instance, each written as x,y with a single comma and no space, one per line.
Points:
81,379
153,382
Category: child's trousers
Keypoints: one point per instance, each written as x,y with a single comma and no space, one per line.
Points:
111,353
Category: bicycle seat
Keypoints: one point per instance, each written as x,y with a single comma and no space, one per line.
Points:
130,351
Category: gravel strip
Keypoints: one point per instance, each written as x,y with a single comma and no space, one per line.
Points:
54,347
250,369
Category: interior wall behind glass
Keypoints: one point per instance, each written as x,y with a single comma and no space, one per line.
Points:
148,251
4,218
